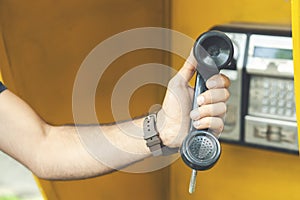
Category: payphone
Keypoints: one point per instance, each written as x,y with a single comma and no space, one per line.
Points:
261,110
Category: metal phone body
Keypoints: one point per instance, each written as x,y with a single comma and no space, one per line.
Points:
262,115
271,116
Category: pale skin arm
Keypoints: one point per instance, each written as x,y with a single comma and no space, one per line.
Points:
57,152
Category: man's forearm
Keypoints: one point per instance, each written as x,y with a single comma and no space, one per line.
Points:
66,152
74,152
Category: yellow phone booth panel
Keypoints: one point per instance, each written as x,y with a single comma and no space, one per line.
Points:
44,43
242,172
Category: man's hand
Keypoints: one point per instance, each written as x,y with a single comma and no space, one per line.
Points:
175,115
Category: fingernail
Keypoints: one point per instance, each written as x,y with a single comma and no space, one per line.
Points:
211,84
195,114
196,123
200,100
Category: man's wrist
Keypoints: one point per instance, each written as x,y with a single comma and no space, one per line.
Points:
160,125
154,138
151,135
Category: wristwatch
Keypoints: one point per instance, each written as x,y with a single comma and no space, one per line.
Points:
151,135
153,141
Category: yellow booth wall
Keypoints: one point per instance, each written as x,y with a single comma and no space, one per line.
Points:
296,53
242,173
43,43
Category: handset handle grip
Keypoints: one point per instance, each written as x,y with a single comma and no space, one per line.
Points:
200,87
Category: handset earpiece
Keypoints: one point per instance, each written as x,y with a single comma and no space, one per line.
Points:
213,51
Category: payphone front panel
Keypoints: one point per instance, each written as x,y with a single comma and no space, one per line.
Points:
262,106
271,116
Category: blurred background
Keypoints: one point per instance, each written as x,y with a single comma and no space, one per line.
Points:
43,43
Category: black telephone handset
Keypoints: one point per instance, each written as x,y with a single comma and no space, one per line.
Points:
213,51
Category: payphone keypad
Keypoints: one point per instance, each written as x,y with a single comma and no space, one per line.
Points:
272,97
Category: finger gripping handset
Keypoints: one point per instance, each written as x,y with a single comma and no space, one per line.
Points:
213,51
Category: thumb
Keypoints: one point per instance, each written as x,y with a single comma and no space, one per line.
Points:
188,69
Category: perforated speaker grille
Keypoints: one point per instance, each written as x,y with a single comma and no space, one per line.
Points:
202,148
